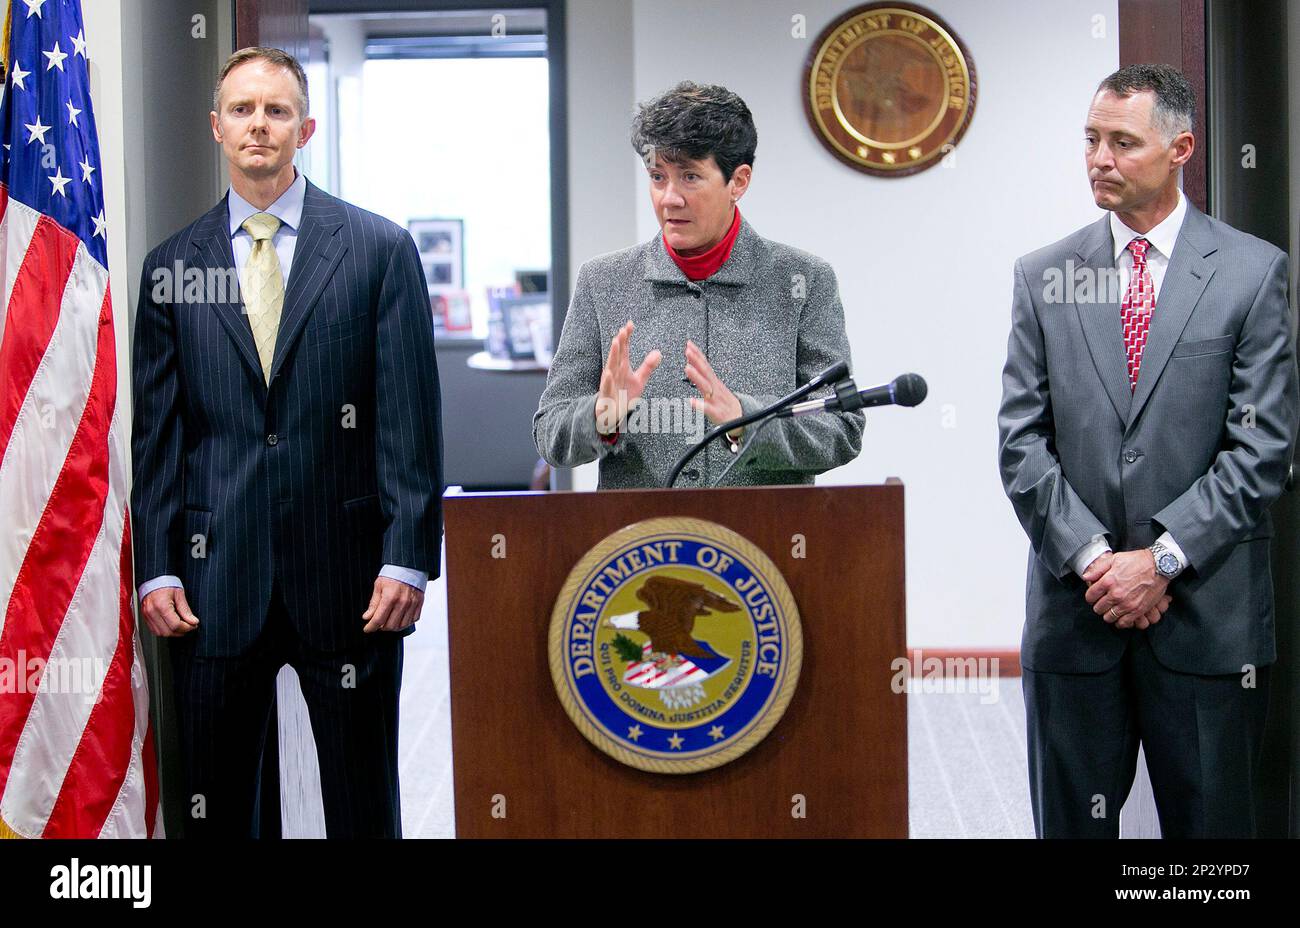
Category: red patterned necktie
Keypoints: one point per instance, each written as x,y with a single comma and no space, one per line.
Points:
1135,312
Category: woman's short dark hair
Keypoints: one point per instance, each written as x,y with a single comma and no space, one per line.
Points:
692,122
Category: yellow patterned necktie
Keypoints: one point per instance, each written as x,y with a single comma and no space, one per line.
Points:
263,287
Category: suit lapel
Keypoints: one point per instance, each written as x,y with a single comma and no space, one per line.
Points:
1185,280
212,242
1102,327
741,266
315,256
659,266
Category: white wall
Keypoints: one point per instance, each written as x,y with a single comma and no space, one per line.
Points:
102,21
924,262
604,194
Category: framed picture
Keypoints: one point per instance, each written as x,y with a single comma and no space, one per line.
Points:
452,311
533,281
441,244
520,315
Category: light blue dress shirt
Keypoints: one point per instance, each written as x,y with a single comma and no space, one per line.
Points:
288,209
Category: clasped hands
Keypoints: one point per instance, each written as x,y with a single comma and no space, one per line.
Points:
621,386
1125,589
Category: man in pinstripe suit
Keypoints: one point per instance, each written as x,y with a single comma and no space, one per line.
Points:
287,454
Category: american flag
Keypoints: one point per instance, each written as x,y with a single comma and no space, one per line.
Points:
76,748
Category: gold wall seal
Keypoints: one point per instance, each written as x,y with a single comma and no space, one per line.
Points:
889,89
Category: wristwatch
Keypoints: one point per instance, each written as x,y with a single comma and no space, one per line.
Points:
1167,564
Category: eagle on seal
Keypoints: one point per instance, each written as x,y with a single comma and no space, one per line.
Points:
669,619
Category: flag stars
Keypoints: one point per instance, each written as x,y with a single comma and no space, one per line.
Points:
634,733
59,182
79,43
73,113
34,6
86,170
716,733
18,74
675,742
56,58
37,130
100,225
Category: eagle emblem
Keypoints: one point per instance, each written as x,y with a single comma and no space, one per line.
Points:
675,645
672,661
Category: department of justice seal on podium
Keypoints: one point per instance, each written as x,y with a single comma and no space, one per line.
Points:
675,645
889,89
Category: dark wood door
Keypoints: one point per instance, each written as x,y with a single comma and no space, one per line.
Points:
1172,32
274,23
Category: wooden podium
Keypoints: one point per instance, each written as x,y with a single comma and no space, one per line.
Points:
523,770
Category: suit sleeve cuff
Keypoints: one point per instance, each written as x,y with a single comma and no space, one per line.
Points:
587,435
158,583
416,578
1094,549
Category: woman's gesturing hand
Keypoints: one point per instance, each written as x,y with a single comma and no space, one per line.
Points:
716,402
620,386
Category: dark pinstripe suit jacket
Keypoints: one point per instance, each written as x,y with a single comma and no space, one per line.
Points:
319,479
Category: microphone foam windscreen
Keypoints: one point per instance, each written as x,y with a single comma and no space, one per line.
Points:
909,389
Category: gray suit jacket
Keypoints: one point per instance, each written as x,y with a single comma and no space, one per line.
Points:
768,321
1201,448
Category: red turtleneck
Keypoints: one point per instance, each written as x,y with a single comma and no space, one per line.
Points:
698,267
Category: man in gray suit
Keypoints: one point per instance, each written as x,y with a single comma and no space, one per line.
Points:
1148,418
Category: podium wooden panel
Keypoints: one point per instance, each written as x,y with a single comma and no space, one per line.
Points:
842,743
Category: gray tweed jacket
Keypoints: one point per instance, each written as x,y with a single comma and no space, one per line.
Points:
768,321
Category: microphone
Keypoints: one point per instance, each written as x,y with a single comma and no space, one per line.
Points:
838,371
903,390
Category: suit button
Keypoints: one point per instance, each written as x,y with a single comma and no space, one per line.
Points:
272,439
1130,456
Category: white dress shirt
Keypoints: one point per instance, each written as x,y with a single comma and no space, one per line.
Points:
288,209
1161,239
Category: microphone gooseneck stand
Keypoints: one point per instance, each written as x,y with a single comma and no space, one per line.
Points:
767,412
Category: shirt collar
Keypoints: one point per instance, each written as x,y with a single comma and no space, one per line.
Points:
1162,237
288,208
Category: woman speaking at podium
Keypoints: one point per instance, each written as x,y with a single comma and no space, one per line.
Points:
705,322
